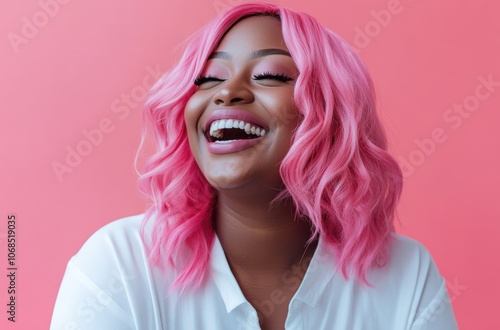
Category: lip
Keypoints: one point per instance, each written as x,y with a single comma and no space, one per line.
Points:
238,114
231,147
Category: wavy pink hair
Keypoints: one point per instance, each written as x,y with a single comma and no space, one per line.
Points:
337,171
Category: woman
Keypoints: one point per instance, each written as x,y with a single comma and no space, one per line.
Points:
273,197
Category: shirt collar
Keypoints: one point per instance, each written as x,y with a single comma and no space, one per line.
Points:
224,278
319,273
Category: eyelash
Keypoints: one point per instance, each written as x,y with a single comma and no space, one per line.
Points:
270,75
266,75
202,79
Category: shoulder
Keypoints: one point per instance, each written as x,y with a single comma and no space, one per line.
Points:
409,261
412,266
115,244
410,275
114,256
404,250
107,278
410,288
127,227
412,279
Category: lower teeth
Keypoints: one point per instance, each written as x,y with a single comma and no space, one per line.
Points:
224,141
228,141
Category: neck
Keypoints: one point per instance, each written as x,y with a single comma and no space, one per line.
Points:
260,241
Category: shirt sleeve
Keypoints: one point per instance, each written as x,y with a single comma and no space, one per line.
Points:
103,281
82,304
109,284
433,309
438,313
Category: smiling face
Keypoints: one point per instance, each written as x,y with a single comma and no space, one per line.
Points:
241,118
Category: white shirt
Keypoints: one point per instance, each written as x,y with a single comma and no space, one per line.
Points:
109,284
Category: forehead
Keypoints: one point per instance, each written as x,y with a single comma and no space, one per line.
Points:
251,33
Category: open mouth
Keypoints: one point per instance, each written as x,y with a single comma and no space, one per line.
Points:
230,130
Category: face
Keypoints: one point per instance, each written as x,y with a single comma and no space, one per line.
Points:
241,119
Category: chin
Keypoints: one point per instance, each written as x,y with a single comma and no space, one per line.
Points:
224,181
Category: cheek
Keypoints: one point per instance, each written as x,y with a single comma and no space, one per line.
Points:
192,113
282,109
193,110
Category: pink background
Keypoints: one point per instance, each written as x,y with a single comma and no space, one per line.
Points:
70,69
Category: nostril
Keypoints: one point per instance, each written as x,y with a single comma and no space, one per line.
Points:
231,101
233,93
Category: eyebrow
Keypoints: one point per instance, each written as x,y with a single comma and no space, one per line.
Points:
254,54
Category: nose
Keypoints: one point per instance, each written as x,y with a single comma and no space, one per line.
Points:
234,90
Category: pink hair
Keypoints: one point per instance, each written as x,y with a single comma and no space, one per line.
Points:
337,171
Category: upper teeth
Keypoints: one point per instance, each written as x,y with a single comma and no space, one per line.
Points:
217,126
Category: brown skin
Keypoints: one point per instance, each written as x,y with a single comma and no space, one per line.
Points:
262,243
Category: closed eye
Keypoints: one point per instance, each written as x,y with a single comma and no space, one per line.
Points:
274,76
262,76
203,79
